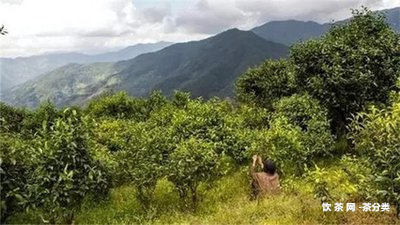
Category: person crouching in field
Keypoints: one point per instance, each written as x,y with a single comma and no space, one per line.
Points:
264,182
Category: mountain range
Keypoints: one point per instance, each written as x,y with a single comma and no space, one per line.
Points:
18,70
206,68
288,32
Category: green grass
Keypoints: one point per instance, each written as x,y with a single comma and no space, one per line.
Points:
227,202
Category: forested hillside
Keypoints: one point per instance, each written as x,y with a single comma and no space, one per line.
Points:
206,68
328,116
15,71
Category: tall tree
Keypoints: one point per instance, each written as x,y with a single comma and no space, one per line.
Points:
352,65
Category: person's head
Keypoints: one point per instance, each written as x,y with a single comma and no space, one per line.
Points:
269,167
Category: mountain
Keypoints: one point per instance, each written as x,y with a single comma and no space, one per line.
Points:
129,52
288,32
18,70
393,17
205,68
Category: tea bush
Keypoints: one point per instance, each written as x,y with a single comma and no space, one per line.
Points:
16,172
298,134
264,84
312,118
376,135
193,162
66,172
352,65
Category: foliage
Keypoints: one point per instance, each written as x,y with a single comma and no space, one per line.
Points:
321,190
145,160
376,135
15,173
156,101
199,120
180,99
245,116
264,84
66,172
118,106
298,134
351,65
11,118
115,135
282,143
33,122
137,146
312,118
360,174
194,161
108,139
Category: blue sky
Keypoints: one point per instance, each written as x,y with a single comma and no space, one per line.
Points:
93,26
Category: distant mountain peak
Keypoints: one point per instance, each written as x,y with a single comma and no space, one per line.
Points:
229,33
236,35
206,68
291,31
232,30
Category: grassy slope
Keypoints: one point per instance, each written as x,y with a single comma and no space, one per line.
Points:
227,202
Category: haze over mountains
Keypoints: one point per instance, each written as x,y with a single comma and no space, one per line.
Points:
21,69
393,17
205,68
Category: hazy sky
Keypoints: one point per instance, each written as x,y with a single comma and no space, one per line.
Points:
91,26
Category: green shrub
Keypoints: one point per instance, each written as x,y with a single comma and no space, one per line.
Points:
66,172
11,118
376,136
320,181
194,161
180,99
200,120
143,161
248,117
264,84
115,135
44,115
118,106
108,138
155,102
353,64
282,143
360,174
298,134
16,171
312,118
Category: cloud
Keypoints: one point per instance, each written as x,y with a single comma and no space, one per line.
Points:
38,26
208,16
156,14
